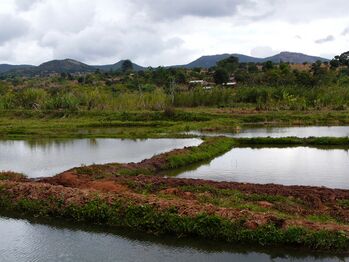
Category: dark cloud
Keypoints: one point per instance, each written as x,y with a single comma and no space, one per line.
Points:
11,28
328,38
346,31
169,9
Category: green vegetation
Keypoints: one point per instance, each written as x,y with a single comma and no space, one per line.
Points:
162,102
12,176
260,86
124,213
210,148
143,124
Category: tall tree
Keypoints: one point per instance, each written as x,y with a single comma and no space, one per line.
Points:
230,64
221,76
340,60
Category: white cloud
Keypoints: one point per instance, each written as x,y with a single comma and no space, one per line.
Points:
25,5
263,51
11,27
163,32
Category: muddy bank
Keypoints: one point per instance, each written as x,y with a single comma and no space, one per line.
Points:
179,211
138,197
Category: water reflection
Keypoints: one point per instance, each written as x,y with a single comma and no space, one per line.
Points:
287,166
47,157
315,131
43,241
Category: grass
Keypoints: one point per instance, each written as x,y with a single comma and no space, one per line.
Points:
344,203
8,175
210,148
229,198
321,218
19,124
124,213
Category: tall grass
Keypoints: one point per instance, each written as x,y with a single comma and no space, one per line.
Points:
87,98
83,98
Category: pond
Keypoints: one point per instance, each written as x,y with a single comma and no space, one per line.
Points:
315,131
50,157
287,166
40,242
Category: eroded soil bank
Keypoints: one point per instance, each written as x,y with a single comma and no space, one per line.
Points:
134,195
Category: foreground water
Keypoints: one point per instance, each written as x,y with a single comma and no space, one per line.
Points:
26,241
23,241
287,166
315,131
49,157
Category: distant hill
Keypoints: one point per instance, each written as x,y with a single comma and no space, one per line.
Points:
50,67
60,66
295,58
117,66
6,67
64,66
73,66
210,61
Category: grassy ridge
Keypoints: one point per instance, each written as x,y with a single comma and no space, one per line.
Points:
124,213
136,124
209,149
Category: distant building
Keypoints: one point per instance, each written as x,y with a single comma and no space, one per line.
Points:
197,82
232,82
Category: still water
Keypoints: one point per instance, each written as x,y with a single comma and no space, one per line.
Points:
315,131
24,241
287,166
50,157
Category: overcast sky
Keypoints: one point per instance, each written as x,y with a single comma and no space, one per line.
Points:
166,32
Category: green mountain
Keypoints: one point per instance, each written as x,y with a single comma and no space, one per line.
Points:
212,60
295,58
64,66
73,66
117,66
6,67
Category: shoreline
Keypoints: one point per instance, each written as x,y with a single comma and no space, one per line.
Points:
135,195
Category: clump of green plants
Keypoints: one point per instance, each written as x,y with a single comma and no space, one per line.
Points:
124,213
209,149
12,176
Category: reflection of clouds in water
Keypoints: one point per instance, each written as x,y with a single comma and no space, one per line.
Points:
54,241
317,131
48,157
289,166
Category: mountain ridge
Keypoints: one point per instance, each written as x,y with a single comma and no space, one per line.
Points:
291,57
74,66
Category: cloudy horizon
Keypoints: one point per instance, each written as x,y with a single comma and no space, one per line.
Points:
165,32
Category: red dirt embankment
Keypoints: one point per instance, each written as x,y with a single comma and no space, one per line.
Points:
299,203
311,207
